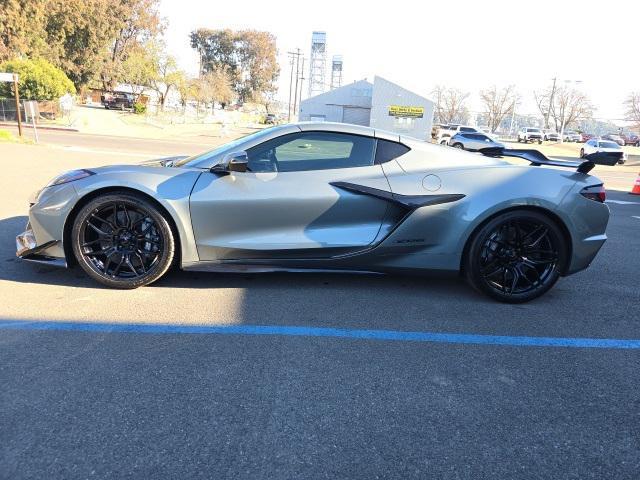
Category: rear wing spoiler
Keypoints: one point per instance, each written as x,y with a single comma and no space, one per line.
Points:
538,158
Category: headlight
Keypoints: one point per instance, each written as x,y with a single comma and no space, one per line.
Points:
70,177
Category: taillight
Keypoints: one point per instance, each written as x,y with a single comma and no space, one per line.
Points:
596,193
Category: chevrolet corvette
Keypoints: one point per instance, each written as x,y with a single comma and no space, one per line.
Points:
327,196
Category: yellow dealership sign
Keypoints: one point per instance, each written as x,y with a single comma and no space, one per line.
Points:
405,111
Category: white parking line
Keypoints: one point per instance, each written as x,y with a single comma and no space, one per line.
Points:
635,216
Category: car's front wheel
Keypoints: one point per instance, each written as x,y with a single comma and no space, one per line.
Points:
122,240
582,153
458,145
516,256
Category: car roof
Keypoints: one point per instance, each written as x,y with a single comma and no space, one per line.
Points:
346,128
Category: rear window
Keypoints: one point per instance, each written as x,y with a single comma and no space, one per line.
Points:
533,130
387,150
467,129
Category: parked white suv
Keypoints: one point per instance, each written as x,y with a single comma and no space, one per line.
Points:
447,132
530,134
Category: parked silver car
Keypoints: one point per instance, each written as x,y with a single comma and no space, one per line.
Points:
320,196
473,141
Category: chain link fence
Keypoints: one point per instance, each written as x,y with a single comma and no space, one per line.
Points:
46,110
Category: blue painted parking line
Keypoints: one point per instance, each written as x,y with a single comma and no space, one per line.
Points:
275,330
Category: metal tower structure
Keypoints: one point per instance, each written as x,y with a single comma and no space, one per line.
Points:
336,72
317,63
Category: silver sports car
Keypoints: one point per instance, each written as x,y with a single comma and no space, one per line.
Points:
323,196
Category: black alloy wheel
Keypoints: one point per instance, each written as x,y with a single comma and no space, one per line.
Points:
122,240
516,257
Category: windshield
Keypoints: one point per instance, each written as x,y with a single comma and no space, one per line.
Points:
225,148
609,145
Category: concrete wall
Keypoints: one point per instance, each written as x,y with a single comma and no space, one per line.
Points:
386,94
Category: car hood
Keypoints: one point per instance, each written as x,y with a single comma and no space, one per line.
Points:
164,161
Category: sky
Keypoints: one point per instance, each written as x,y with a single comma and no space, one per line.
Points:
471,45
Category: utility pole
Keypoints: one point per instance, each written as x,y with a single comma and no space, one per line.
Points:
295,95
294,57
302,79
290,86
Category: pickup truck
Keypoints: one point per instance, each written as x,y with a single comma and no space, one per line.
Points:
449,131
117,100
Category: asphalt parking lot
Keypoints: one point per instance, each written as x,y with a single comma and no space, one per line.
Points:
314,375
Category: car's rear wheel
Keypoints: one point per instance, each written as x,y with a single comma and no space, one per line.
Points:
122,240
516,256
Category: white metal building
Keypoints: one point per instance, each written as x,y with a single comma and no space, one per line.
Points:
381,104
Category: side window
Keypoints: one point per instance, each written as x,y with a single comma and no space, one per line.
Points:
387,150
299,152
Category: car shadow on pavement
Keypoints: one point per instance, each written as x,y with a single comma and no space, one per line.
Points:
17,270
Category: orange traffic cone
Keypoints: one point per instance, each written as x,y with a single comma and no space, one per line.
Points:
636,187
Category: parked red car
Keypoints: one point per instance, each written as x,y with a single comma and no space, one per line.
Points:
587,136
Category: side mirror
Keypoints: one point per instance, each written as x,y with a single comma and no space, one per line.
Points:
232,162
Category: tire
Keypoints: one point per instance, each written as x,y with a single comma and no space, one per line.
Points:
519,141
443,142
122,240
539,142
511,268
458,146
582,153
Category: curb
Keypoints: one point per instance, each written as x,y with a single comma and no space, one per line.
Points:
40,127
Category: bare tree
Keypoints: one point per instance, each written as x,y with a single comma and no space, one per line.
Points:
450,105
564,105
214,86
632,103
498,103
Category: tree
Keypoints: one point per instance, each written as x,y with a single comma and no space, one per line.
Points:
166,74
39,80
186,88
21,25
84,38
249,57
214,86
139,69
138,23
498,103
77,33
632,104
259,63
564,105
450,105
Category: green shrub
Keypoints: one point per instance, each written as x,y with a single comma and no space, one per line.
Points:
38,80
139,108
